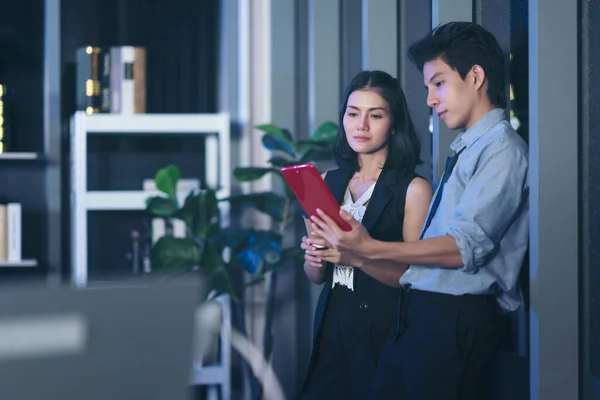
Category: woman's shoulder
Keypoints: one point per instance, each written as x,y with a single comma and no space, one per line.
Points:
419,186
418,193
413,184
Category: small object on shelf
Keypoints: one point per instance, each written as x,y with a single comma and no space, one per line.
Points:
135,251
146,260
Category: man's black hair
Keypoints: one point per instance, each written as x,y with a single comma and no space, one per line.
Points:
462,45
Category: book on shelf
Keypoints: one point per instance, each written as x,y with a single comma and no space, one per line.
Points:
10,232
5,119
87,80
111,79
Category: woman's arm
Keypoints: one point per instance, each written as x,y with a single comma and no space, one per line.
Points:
313,267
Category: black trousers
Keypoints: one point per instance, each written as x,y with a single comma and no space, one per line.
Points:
356,326
444,348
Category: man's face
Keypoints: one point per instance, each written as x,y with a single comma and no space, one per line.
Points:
451,97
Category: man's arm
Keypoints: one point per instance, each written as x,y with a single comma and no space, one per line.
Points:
493,197
440,251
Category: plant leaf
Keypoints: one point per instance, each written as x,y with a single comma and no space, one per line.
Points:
305,145
261,247
166,180
248,174
174,253
212,259
327,131
221,282
267,202
275,143
206,213
161,206
282,161
281,133
187,212
317,154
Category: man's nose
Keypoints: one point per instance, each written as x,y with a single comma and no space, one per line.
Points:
432,100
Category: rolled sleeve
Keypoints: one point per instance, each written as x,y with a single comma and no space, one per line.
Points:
495,194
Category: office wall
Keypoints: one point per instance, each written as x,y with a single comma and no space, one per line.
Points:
526,29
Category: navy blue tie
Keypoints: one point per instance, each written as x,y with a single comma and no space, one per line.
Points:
450,163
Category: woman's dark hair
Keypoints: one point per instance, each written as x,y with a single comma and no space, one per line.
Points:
404,146
462,45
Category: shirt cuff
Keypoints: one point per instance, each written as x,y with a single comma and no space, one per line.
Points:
466,250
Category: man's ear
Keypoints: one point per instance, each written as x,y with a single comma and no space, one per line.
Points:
478,76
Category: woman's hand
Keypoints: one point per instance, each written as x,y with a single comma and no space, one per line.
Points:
309,248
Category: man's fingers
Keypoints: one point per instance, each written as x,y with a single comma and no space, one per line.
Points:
330,223
346,216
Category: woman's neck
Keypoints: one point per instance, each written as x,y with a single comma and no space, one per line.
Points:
370,166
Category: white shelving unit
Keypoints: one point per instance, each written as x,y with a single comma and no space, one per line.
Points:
218,174
217,156
18,264
19,156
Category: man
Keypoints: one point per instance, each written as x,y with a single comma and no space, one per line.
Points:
463,273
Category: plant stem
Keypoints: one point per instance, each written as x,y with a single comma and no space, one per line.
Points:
271,293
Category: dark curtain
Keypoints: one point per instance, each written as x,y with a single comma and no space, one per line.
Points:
181,41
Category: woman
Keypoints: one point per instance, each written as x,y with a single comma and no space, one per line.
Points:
377,150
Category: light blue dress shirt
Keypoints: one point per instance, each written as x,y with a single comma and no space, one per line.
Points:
485,207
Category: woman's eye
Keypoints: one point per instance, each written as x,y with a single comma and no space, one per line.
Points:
438,84
376,116
352,114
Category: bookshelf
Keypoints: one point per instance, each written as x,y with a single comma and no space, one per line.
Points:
215,128
45,168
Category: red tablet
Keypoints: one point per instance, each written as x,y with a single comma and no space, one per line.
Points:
312,192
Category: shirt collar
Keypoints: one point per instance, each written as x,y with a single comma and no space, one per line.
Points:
480,127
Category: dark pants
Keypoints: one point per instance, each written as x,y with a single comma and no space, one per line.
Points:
355,329
444,349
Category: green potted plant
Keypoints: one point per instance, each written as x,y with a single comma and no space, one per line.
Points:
258,252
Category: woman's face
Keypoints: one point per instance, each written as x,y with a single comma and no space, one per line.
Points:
367,121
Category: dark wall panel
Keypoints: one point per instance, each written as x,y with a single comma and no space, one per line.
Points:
181,41
590,89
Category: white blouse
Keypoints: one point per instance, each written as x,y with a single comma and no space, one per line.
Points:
344,274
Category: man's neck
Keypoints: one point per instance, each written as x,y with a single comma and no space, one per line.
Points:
479,113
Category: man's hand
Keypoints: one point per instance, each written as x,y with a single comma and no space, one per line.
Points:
316,256
355,241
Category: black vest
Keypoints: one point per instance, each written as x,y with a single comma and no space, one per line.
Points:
383,219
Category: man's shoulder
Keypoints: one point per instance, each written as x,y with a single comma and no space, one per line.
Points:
502,137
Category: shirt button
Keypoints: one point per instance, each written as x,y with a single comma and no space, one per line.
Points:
363,305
